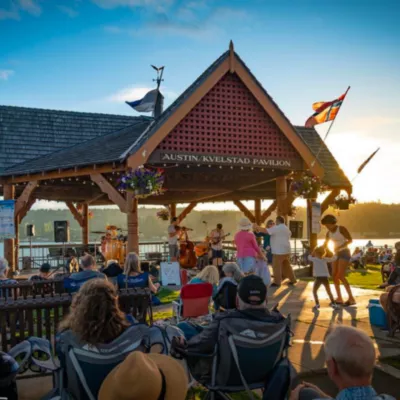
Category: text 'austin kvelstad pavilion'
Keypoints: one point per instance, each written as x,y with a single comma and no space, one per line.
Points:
223,139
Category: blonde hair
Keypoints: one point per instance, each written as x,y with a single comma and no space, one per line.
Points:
132,264
209,274
95,315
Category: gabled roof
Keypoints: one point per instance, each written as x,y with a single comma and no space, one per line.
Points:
28,133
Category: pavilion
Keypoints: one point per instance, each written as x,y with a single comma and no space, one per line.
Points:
223,139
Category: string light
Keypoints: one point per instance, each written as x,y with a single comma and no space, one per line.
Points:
220,167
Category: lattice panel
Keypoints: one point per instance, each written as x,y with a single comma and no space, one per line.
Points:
229,121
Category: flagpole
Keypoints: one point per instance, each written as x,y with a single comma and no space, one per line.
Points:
158,80
330,126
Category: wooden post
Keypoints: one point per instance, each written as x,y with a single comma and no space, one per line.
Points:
9,250
312,237
85,224
281,194
133,225
247,213
172,210
257,211
16,243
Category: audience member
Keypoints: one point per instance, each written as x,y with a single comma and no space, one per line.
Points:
392,273
76,280
251,304
133,277
44,273
4,279
350,357
112,269
356,258
209,274
225,296
246,247
266,240
145,376
95,316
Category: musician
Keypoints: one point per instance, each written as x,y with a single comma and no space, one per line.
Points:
216,237
173,239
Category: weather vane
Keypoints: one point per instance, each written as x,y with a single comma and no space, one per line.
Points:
160,71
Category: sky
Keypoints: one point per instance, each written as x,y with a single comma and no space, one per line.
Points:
92,55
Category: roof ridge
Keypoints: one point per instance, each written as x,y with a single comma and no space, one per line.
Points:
75,112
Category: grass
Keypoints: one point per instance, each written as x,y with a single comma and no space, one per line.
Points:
157,315
167,296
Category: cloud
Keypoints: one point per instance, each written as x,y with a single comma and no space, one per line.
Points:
30,6
68,11
5,74
12,13
373,122
156,5
131,93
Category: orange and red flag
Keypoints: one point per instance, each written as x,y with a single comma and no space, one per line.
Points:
325,111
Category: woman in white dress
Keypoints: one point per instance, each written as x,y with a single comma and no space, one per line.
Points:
341,239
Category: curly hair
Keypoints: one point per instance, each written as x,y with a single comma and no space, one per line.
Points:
95,316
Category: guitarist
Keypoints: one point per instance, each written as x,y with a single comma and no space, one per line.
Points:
216,237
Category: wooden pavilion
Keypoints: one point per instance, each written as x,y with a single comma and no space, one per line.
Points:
223,139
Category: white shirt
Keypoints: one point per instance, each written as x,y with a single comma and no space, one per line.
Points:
320,266
337,238
173,241
280,239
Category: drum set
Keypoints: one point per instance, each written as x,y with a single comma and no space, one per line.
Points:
113,244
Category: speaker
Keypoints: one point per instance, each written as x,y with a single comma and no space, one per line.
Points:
30,230
61,231
296,227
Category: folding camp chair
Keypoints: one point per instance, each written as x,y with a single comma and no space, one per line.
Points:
194,301
247,353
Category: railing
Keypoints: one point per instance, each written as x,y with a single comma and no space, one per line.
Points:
56,254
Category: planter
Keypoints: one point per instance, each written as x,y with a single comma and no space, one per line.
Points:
344,205
142,192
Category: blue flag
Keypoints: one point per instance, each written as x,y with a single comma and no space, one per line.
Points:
148,102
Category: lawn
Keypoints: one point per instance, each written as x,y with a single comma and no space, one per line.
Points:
167,295
366,279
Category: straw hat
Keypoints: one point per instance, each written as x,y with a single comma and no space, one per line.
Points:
245,224
140,376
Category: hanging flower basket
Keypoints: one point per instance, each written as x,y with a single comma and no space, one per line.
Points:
163,215
343,202
79,208
308,186
143,182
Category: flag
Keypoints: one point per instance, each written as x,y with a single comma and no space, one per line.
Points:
148,103
363,165
325,111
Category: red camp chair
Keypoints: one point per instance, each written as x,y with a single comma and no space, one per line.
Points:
195,301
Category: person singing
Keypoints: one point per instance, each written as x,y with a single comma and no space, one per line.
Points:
173,239
341,239
216,237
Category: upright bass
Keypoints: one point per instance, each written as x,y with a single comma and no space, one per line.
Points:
187,256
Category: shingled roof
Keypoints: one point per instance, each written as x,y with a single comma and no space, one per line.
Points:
28,133
110,138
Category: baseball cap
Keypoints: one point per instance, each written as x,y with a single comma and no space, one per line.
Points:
252,290
45,267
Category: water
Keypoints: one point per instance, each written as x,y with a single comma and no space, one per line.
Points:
149,248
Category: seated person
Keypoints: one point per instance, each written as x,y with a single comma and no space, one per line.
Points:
89,271
356,258
227,288
350,357
209,274
251,304
44,273
146,376
113,269
4,280
134,277
392,272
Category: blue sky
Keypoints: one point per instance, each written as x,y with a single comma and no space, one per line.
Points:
91,55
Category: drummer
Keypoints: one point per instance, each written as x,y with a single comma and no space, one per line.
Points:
173,238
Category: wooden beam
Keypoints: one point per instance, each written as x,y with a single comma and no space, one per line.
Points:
28,206
85,224
77,215
281,195
172,210
329,200
95,198
23,199
186,211
257,211
67,173
110,191
9,250
245,210
268,211
133,224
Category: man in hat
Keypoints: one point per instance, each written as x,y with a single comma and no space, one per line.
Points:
251,304
145,376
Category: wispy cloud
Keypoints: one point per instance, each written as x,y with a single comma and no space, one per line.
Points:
5,74
16,6
68,11
136,92
373,122
156,5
